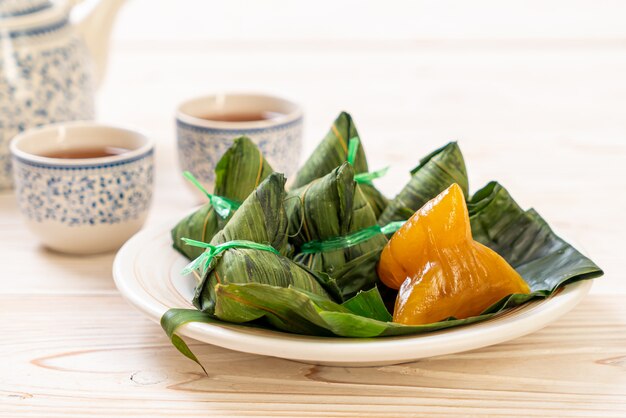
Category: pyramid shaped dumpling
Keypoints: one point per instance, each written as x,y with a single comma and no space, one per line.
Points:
440,271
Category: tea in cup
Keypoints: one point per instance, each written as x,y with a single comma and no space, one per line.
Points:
83,187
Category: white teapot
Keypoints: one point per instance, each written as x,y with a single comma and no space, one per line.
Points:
49,66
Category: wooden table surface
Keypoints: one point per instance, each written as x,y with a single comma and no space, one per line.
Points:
545,117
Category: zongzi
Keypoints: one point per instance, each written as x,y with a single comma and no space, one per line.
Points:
260,219
240,170
332,152
441,272
330,207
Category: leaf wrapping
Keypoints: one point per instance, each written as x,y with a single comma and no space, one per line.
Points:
240,170
526,241
435,173
262,219
332,152
329,207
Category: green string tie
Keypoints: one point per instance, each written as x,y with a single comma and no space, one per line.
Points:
214,250
366,178
353,147
222,205
338,243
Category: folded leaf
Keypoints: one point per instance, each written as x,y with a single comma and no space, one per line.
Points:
173,319
435,173
526,241
240,170
253,266
201,225
356,274
291,310
261,217
377,201
370,304
332,152
334,206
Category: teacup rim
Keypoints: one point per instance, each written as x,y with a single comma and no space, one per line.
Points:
195,121
27,157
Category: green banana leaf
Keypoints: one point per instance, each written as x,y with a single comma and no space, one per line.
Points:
237,174
369,304
523,238
294,311
335,206
526,241
435,173
261,219
332,152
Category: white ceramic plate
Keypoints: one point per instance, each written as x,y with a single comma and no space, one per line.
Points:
147,273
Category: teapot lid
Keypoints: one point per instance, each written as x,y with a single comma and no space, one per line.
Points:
14,8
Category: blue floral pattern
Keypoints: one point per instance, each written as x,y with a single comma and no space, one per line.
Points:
200,148
100,194
44,78
11,8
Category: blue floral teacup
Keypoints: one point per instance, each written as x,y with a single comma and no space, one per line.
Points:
206,127
83,187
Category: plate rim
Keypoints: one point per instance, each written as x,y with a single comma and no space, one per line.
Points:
344,350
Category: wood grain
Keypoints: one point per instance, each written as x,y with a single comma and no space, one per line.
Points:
93,355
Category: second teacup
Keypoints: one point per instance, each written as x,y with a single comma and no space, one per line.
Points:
206,127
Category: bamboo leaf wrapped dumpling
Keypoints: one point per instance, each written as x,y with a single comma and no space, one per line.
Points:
332,152
260,219
240,170
435,173
335,206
